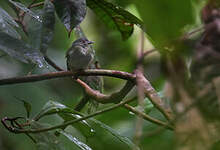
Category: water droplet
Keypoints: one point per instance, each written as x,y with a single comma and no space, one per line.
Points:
92,130
131,113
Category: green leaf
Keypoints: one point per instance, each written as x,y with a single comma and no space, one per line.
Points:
107,136
27,106
26,10
70,12
45,140
76,141
164,19
20,50
7,23
41,33
66,114
114,17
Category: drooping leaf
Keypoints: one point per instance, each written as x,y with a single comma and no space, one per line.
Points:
26,10
41,33
20,50
66,114
70,12
115,17
45,140
7,23
76,141
27,106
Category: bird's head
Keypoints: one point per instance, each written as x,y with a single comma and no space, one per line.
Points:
82,41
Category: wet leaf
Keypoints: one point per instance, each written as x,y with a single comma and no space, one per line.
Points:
76,141
5,16
97,133
7,24
115,17
66,114
70,12
45,140
26,10
107,136
20,50
41,33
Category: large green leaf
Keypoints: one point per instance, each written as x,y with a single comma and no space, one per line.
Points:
76,141
70,12
107,136
165,19
45,140
66,114
7,23
41,33
115,17
20,50
99,135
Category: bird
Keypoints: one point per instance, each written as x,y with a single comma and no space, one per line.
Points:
81,56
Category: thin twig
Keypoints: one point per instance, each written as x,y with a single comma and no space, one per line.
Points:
53,64
37,4
148,118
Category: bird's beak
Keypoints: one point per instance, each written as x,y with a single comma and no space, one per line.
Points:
90,42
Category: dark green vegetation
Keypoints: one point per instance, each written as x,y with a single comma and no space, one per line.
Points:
158,59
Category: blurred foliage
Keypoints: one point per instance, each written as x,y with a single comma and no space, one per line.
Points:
164,22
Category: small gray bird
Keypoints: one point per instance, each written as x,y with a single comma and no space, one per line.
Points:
82,56
79,56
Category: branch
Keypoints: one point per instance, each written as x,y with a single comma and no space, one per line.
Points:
102,98
151,93
61,74
15,130
147,117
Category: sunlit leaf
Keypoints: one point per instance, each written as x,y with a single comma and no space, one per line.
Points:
41,33
66,114
76,141
45,140
20,50
70,12
115,17
7,23
26,10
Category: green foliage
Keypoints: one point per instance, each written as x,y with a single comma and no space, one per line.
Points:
18,49
98,134
40,33
165,19
70,12
115,17
7,23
